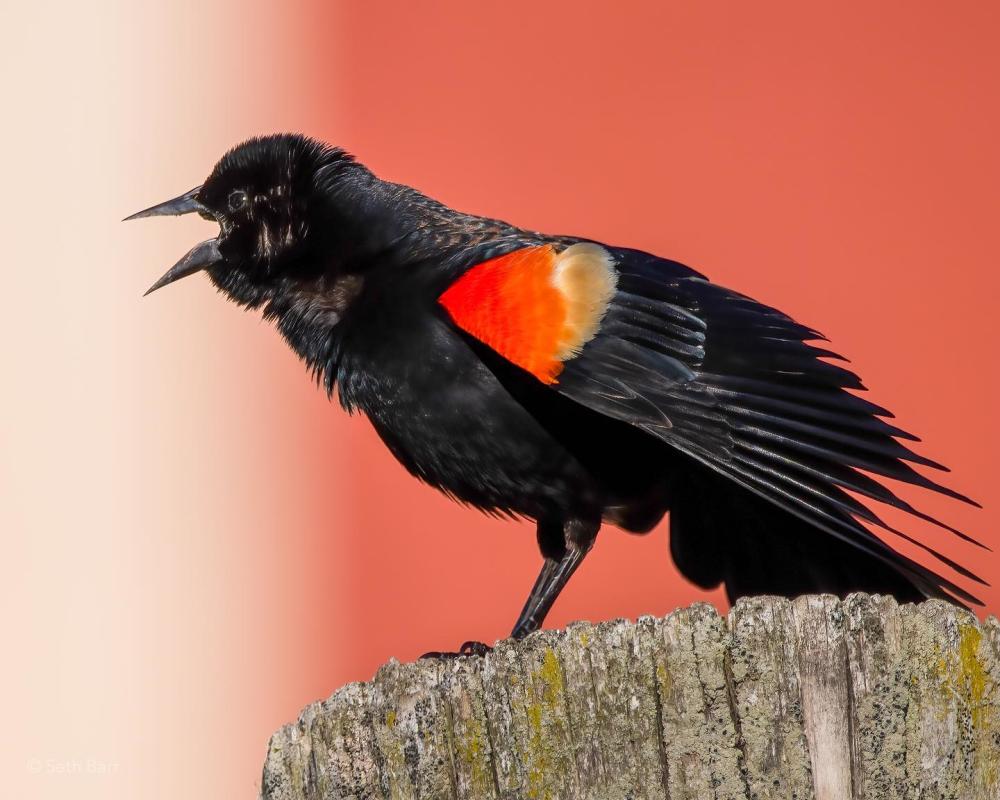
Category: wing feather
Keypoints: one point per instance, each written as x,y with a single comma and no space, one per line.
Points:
741,388
748,395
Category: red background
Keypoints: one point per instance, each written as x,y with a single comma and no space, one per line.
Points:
839,164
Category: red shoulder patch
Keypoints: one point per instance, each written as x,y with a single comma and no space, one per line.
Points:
535,307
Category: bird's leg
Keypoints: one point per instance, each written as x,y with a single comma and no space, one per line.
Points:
562,557
553,546
551,580
563,546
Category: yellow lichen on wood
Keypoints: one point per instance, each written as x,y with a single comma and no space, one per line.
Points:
542,713
776,700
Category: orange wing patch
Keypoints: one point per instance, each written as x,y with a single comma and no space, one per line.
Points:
535,307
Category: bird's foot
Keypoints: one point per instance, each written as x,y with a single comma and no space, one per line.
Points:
477,649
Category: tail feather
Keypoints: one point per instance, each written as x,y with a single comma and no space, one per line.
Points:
723,534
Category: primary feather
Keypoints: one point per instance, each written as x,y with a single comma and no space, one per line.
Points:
737,386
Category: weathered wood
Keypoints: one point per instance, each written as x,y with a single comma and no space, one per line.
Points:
814,698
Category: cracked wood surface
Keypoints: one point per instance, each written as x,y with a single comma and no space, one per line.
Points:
811,698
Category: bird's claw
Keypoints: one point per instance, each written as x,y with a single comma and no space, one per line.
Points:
471,648
474,649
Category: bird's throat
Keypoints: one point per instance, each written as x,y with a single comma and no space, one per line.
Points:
309,318
325,301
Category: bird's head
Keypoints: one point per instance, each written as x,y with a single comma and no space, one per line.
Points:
273,199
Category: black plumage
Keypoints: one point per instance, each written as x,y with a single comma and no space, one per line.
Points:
690,398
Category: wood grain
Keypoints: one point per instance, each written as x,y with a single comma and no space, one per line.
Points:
812,698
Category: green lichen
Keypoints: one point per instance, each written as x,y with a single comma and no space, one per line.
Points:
471,749
664,680
964,678
973,675
395,760
543,726
551,674
537,758
978,685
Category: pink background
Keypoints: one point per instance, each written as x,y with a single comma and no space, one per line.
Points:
197,544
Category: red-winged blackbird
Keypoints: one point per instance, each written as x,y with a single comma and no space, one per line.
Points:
565,380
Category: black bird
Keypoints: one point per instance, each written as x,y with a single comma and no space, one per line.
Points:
567,381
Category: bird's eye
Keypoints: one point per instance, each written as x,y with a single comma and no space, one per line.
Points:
238,200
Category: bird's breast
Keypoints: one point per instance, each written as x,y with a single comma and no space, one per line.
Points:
449,420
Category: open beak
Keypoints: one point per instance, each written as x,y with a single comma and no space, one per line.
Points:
200,256
185,204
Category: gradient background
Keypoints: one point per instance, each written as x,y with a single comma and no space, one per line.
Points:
196,543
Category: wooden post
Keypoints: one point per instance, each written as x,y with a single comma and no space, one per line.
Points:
811,698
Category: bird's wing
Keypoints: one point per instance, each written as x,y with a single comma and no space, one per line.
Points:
730,382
